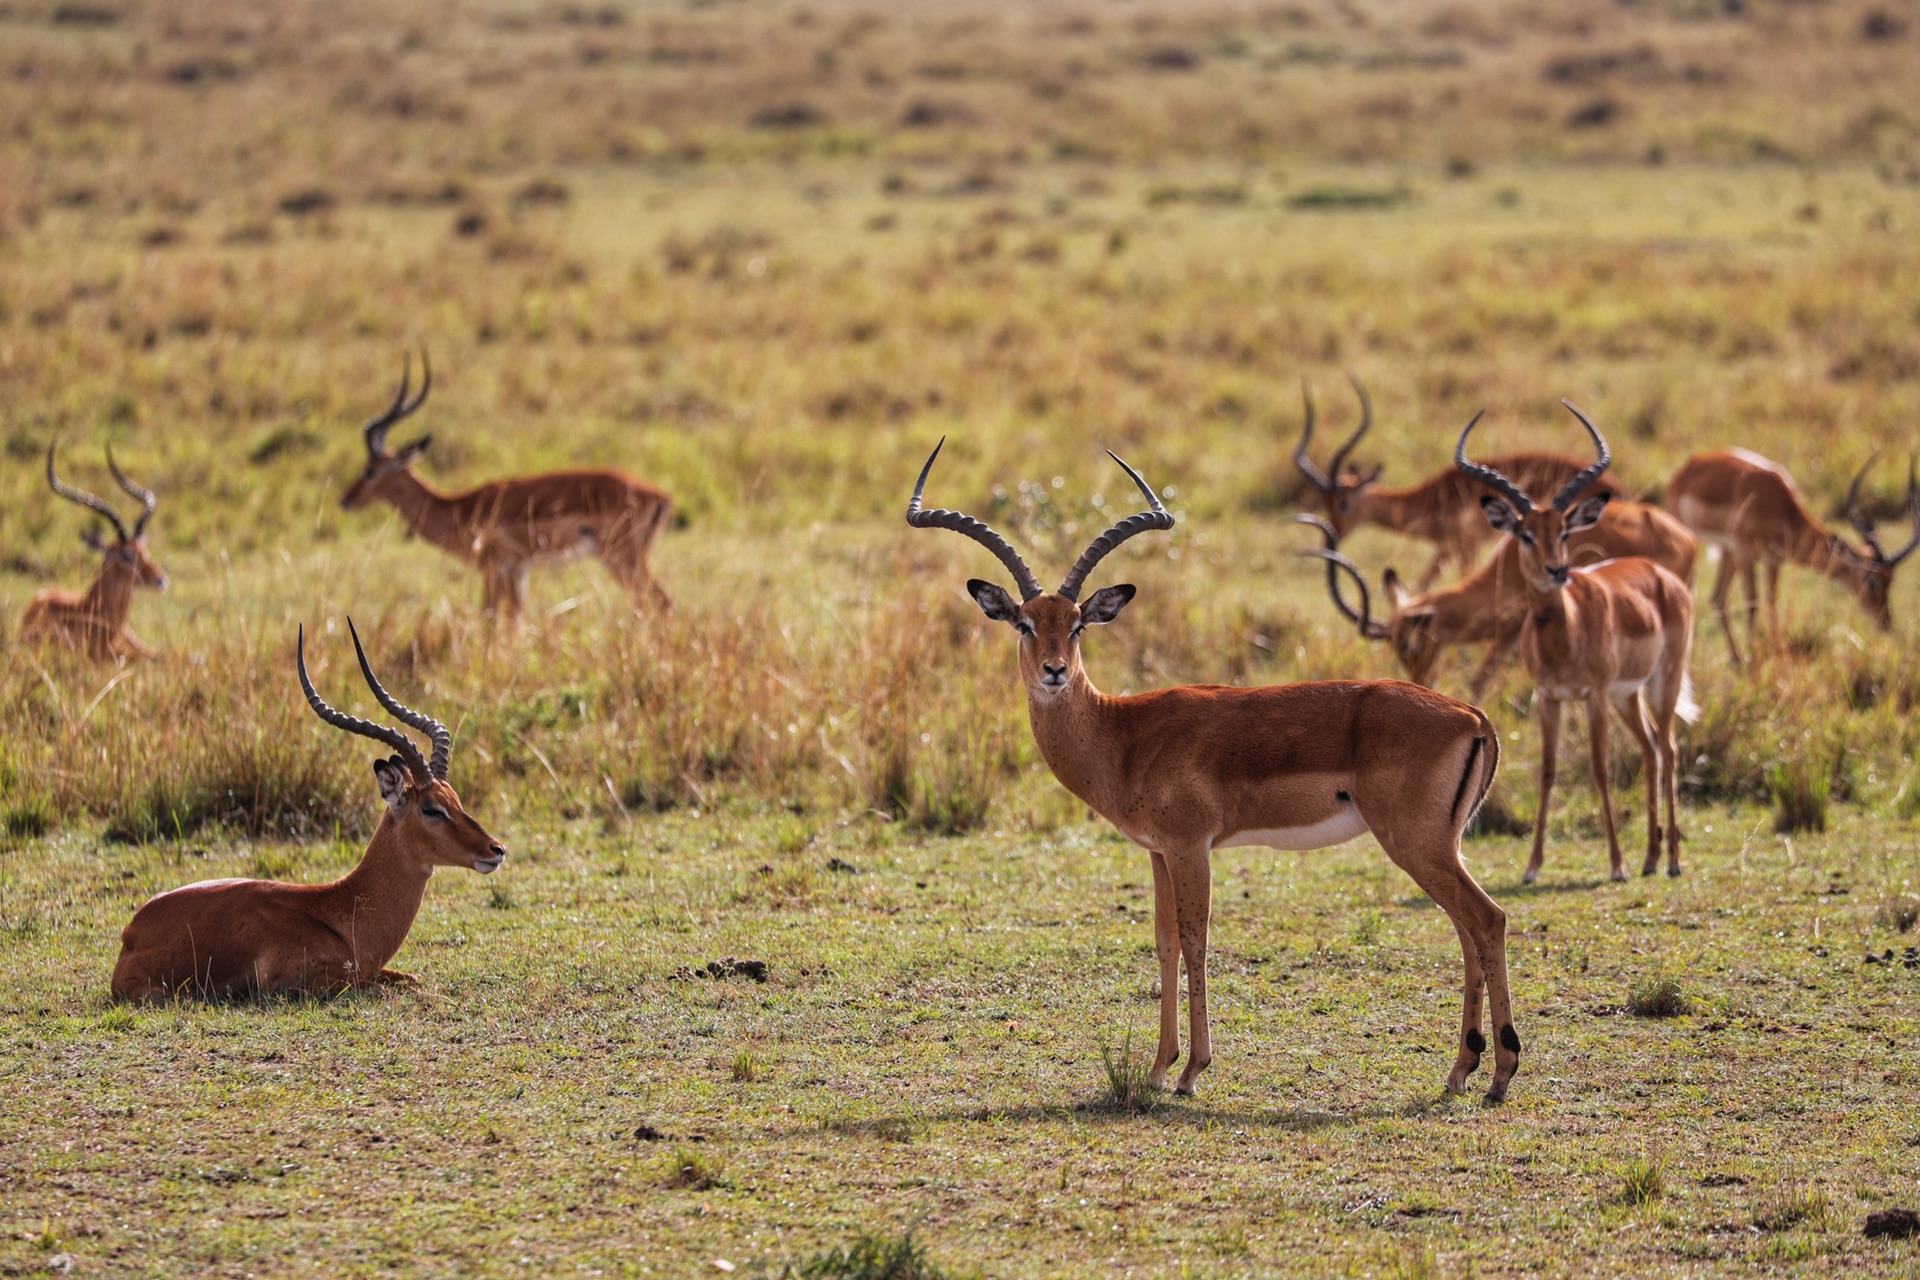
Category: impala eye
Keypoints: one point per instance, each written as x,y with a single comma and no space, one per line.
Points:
433,811
1078,627
1024,627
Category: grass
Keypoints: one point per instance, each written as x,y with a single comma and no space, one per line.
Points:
765,256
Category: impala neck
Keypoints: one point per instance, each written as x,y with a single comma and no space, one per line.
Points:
1406,511
1073,731
109,597
429,514
373,905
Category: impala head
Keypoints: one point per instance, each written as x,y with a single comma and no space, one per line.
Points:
124,555
1340,486
436,830
1410,624
1871,575
1542,532
1049,623
383,464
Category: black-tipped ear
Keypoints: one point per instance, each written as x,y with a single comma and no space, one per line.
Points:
1587,513
1499,514
409,452
391,774
994,600
1104,605
91,536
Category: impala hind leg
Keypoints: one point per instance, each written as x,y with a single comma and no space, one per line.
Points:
1166,949
1549,766
1631,709
1193,890
1750,579
1597,755
1722,587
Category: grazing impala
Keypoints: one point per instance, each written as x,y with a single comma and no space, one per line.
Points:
1442,509
1490,604
1185,771
95,620
239,938
1748,508
1618,632
506,527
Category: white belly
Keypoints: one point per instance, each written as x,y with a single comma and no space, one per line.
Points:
1340,828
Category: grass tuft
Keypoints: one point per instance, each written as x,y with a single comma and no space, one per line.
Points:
1790,1207
1642,1181
694,1169
746,1067
1127,1077
1800,789
1658,998
871,1257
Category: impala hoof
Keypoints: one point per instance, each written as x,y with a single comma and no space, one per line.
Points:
1619,875
1673,872
1530,875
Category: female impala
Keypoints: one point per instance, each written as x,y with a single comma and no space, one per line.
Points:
1617,632
506,527
1490,604
1185,771
1442,509
254,937
95,620
1747,506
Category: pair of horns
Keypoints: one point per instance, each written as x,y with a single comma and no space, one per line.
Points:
1155,517
421,769
148,501
1512,492
1863,525
376,428
1324,480
1337,560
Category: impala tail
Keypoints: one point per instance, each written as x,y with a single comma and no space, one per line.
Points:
1687,709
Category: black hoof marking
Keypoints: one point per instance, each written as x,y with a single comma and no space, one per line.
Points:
1510,1038
1476,1043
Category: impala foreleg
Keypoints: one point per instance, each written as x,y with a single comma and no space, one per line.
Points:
1597,759
1549,767
1193,888
1722,587
1166,948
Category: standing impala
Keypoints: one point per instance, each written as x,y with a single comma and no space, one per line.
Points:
1490,604
506,527
1747,507
1185,771
1442,509
1618,632
95,620
239,938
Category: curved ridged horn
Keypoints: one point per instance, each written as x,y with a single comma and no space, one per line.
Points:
1506,488
1913,514
376,428
1308,467
442,740
1865,526
1862,524
81,496
1335,562
1572,489
145,497
1366,424
353,724
966,525
1156,517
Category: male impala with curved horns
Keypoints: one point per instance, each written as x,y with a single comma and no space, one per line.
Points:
1442,509
239,938
506,527
1185,771
1747,506
95,620
1618,632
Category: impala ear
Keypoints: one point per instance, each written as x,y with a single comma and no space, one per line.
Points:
1587,513
91,536
1362,481
1104,605
391,774
407,453
1499,514
993,599
1396,590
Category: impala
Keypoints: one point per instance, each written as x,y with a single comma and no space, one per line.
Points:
1618,632
1490,604
95,620
506,527
1188,770
1442,509
1746,506
239,938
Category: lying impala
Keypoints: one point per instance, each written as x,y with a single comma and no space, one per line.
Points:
1442,509
238,938
1185,771
1490,604
1747,506
95,620
1618,632
507,527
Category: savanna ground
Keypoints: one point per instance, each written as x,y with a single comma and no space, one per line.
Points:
765,255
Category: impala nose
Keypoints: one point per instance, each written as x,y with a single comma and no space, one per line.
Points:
1053,672
496,854
1557,574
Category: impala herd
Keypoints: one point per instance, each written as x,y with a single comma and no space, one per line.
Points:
1591,591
